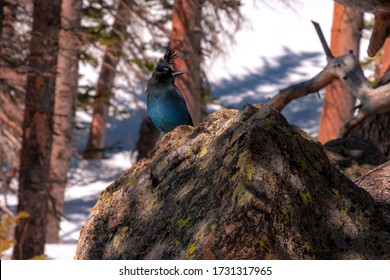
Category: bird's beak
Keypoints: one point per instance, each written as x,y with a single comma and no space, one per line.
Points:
177,73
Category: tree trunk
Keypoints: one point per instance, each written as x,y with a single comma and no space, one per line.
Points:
3,185
386,58
96,139
64,111
38,130
1,15
148,137
11,114
186,41
376,128
7,22
339,102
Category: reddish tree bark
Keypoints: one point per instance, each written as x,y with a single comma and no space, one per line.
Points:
186,41
148,137
339,102
64,111
11,81
386,57
96,139
38,130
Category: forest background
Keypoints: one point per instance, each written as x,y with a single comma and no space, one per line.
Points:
72,90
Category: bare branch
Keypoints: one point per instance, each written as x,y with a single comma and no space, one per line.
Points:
347,69
285,96
324,44
379,34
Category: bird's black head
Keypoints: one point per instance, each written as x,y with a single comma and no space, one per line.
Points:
164,69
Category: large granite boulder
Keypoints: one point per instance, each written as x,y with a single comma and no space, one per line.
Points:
241,185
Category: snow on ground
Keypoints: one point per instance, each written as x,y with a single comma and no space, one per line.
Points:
277,47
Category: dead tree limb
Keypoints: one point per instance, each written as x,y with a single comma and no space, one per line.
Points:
347,69
324,44
379,34
285,96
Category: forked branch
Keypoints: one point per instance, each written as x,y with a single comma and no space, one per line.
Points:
347,69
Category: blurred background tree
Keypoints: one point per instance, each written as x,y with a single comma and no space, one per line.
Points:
64,113
15,28
138,30
113,42
34,173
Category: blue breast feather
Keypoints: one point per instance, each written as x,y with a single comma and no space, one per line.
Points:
168,110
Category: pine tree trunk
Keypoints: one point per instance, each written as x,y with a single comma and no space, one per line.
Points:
148,137
339,102
376,129
186,41
1,16
64,111
4,186
38,130
7,22
11,113
386,57
96,139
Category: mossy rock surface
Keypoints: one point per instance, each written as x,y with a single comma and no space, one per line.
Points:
377,183
241,185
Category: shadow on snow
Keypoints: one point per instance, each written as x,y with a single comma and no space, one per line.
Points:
263,82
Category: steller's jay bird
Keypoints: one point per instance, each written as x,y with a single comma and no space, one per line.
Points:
165,103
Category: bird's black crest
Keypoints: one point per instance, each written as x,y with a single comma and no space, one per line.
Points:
169,56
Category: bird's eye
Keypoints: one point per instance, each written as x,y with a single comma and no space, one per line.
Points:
166,69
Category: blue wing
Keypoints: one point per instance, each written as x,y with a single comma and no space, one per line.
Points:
168,109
